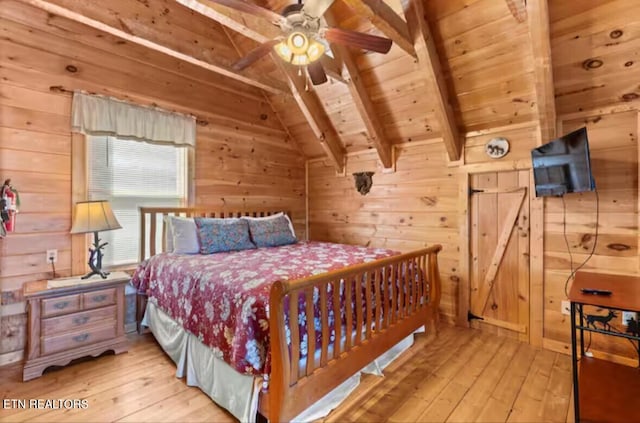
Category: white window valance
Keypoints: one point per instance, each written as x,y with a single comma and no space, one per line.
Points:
99,115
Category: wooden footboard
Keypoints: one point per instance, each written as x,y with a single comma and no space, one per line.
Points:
398,295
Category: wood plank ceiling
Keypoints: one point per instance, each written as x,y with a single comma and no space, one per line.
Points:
455,67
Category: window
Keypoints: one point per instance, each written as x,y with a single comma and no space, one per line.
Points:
131,174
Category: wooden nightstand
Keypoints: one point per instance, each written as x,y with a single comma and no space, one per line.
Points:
72,319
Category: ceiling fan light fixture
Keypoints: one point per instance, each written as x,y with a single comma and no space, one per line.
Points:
299,50
298,43
282,50
300,60
315,51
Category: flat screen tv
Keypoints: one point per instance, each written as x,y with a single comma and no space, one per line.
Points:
563,165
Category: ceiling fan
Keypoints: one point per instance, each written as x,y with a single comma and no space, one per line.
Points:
305,36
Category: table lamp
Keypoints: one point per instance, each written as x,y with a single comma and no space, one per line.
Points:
94,216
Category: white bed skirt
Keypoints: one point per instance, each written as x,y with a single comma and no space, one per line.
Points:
234,391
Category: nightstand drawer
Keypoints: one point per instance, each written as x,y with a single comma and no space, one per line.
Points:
60,324
97,299
71,340
60,305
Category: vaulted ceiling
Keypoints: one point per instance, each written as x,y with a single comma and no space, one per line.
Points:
456,66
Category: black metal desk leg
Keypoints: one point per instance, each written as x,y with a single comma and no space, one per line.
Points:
581,330
574,357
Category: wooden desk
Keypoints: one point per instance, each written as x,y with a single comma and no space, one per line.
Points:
604,391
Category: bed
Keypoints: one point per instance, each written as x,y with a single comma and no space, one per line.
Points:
363,301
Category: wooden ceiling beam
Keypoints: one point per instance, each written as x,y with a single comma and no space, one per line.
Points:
315,115
539,35
258,81
538,21
251,27
429,65
386,20
363,101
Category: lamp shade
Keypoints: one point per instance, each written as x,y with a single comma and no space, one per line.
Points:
93,216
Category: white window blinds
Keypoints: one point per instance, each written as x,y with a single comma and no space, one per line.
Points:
131,174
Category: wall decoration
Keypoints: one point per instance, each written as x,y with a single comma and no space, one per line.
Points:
9,203
497,147
363,182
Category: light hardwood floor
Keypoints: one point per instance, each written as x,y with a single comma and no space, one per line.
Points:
463,375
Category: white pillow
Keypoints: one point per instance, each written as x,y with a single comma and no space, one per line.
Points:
274,216
168,235
185,235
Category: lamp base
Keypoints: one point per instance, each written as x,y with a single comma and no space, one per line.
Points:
100,272
95,259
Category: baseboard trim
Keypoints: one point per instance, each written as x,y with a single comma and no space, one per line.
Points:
565,348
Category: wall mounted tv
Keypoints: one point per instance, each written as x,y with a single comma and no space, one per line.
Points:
563,165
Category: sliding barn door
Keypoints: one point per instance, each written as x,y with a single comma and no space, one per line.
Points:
499,267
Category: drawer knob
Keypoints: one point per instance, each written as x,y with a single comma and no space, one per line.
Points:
81,338
99,298
61,305
81,320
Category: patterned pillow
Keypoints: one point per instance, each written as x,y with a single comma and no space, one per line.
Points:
219,235
271,232
274,216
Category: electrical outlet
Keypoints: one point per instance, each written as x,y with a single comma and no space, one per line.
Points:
626,316
52,256
565,307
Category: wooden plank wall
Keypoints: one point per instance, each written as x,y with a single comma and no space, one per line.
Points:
594,46
414,207
613,140
243,157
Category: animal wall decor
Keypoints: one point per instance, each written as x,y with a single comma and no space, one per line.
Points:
603,320
363,182
497,147
495,150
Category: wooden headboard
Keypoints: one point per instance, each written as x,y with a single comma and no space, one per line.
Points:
150,230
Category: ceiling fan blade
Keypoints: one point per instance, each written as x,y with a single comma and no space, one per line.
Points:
316,73
316,8
358,39
252,9
254,55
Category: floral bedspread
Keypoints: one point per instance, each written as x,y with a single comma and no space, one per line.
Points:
223,298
